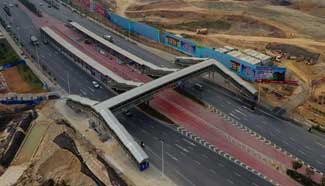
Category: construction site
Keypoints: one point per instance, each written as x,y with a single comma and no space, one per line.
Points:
293,37
86,108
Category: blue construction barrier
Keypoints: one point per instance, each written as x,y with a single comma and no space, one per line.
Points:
21,102
9,65
245,70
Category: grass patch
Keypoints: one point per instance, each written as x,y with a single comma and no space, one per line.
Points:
7,55
29,77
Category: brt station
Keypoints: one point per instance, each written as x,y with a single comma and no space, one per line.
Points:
135,93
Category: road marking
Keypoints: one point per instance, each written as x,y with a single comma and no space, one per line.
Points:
307,147
83,92
322,145
182,148
197,162
237,174
292,139
301,152
91,89
185,178
213,171
189,142
277,130
254,184
234,116
236,110
171,156
205,156
230,181
221,165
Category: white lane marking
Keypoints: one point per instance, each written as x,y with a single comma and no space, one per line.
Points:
213,171
183,153
83,92
228,102
237,174
197,162
319,162
322,145
236,110
142,130
182,148
230,181
234,116
307,147
91,89
292,139
221,165
254,184
148,148
189,142
205,156
185,178
285,142
171,156
277,130
301,152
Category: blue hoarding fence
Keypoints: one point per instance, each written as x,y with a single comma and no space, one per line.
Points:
242,68
9,65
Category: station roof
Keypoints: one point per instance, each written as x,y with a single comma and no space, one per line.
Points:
85,58
244,57
257,55
118,49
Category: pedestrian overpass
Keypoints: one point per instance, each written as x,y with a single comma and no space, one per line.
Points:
143,93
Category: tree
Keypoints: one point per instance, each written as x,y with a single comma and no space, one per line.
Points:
309,172
296,165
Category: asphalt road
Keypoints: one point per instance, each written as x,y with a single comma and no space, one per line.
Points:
296,140
186,163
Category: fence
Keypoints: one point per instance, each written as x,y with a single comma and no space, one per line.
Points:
245,70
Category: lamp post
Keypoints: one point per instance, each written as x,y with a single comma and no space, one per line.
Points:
162,157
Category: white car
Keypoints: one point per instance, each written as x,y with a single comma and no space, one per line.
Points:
95,84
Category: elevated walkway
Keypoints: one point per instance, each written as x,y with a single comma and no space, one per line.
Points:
118,129
88,64
146,67
144,93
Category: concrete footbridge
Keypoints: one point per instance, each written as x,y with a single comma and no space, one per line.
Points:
131,98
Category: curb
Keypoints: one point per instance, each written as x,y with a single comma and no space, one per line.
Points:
258,136
227,156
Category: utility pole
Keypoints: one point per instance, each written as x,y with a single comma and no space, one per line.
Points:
162,158
68,80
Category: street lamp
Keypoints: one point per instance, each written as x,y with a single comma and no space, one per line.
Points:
162,157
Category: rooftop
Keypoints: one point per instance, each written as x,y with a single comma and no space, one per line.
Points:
245,57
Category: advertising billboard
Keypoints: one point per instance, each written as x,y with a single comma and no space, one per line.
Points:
188,47
173,41
270,73
235,66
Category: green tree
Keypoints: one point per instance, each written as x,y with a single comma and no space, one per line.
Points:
296,165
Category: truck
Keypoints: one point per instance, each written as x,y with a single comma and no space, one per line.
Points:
34,40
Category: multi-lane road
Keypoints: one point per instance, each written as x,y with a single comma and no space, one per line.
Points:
186,162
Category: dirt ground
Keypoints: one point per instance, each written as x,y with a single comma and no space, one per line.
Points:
255,23
17,84
50,163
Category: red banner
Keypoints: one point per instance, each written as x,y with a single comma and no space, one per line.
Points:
100,9
288,82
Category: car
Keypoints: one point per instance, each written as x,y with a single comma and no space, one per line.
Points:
95,84
128,113
198,86
41,4
11,5
108,38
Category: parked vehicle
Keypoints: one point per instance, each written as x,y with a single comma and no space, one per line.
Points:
95,84
34,40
